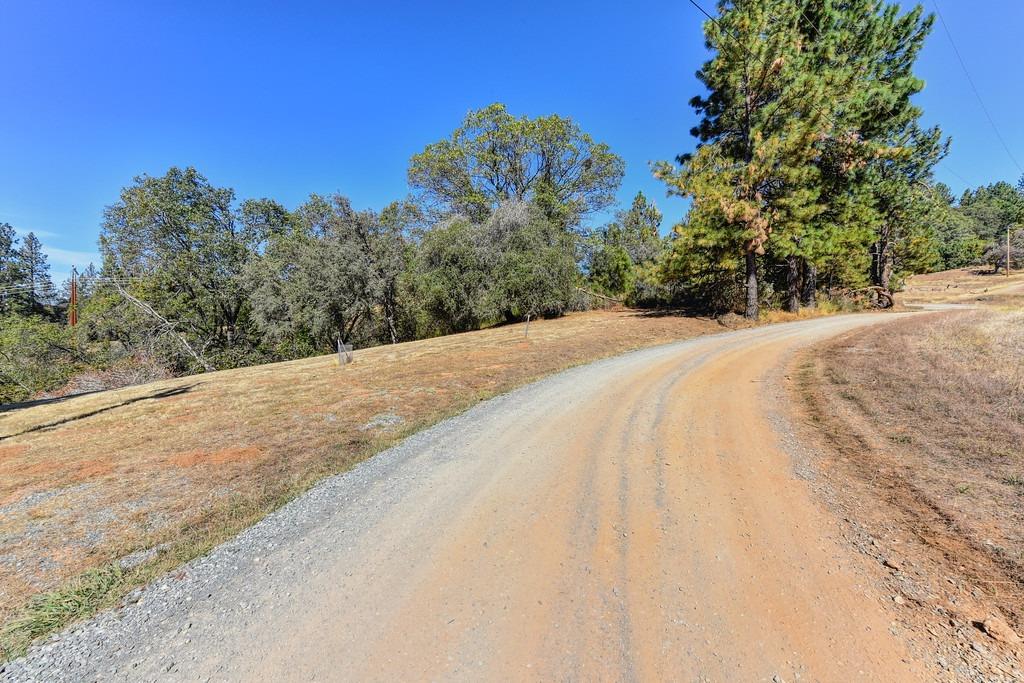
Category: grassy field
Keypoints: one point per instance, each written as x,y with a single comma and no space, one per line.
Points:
183,464
927,420
964,286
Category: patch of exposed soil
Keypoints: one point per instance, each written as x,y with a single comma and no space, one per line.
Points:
220,457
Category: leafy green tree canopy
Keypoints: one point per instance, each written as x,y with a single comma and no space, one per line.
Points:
993,208
624,246
179,244
637,230
334,274
34,272
35,355
314,284
495,157
514,264
10,270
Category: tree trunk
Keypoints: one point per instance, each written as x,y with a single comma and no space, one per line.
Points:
881,264
389,317
792,284
752,310
885,271
809,297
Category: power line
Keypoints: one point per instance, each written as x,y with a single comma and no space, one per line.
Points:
952,172
21,288
704,12
977,94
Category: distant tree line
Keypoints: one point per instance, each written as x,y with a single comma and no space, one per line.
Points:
811,181
193,279
974,229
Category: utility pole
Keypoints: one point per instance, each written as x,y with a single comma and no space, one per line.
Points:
1007,251
73,305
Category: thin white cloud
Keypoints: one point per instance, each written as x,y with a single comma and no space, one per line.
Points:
61,261
70,257
41,234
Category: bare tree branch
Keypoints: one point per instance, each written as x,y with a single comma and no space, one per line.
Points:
168,325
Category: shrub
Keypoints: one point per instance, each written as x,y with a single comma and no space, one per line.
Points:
35,356
126,372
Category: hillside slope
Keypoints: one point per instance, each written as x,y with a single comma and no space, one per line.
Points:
976,286
633,519
182,464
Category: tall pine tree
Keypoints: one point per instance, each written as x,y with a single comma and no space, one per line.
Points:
753,177
10,270
35,274
876,161
810,149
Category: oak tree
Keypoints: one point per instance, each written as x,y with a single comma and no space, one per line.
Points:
495,157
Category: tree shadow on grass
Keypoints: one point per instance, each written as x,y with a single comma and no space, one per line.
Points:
665,313
165,393
720,317
20,405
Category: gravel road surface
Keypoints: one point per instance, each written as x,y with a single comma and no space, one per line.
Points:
632,519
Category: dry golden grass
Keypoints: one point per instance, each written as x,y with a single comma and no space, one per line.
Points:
190,461
824,308
964,285
927,420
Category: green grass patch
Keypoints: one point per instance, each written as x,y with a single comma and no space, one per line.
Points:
48,612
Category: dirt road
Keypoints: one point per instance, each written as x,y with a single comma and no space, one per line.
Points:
633,519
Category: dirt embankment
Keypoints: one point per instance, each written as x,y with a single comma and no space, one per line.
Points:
923,431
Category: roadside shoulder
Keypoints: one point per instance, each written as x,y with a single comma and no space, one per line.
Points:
950,597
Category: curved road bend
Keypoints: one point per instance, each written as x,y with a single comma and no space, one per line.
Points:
633,519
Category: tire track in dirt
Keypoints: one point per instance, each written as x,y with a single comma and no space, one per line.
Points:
633,519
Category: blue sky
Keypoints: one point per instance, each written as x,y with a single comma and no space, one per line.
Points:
281,100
